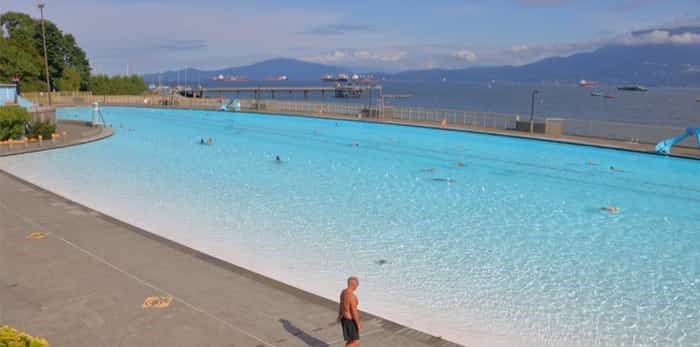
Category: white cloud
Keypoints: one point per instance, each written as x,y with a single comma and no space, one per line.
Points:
520,49
659,37
360,56
466,55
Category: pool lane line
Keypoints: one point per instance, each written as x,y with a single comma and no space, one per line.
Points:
134,277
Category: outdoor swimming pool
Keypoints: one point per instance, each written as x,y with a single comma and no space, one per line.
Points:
511,247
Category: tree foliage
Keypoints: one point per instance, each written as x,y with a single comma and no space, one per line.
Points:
70,81
22,45
13,120
117,85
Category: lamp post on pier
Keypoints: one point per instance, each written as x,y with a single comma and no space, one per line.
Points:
41,6
532,111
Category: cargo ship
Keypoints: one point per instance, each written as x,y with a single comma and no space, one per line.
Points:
587,84
633,88
339,78
230,79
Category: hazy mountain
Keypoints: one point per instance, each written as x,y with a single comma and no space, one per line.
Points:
654,64
649,64
295,70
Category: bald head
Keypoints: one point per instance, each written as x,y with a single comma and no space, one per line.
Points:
353,282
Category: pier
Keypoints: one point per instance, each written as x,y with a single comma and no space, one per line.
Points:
260,91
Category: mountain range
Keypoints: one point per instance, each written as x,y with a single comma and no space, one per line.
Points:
657,63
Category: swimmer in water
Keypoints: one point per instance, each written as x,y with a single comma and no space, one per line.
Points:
611,209
209,141
591,163
447,180
612,168
278,160
460,164
201,141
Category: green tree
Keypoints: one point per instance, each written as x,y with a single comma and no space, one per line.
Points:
16,62
77,59
24,33
70,80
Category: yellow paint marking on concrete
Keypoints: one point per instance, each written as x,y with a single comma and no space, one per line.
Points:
157,302
36,236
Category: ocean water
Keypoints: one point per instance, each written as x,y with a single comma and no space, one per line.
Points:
661,105
485,240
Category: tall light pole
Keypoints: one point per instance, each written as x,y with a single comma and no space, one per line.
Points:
46,58
532,111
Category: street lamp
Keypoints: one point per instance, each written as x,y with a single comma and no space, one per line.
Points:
46,58
532,111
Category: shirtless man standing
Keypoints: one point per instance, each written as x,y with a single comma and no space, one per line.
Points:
348,315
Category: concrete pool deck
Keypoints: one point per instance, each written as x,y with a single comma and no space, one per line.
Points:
83,279
76,133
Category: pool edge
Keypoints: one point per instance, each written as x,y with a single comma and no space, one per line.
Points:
301,294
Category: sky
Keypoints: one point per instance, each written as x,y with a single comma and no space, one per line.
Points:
378,35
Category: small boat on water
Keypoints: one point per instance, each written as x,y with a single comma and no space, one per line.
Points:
587,84
597,94
278,78
633,88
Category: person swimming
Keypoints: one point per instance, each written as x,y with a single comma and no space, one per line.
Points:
612,168
611,209
443,179
210,141
278,160
201,141
460,164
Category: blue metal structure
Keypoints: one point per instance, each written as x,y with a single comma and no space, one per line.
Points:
233,103
8,94
665,145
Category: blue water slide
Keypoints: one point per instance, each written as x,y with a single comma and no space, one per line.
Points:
233,103
24,102
665,145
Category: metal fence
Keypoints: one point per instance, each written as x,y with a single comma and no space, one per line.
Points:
453,117
310,108
147,100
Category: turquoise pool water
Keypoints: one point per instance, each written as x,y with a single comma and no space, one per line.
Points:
510,249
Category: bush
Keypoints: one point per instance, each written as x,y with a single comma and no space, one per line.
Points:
10,337
13,119
45,129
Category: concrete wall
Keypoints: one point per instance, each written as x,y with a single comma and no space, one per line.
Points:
43,114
